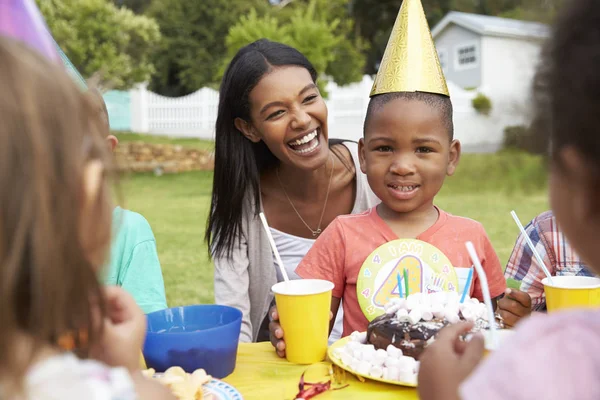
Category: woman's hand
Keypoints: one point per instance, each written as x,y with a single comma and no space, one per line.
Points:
514,306
276,332
124,330
447,362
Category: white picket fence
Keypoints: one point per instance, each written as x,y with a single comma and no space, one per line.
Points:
194,115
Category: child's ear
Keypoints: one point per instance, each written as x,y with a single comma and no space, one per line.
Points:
247,130
112,142
453,157
362,156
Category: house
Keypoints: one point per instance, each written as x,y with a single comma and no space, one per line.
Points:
493,56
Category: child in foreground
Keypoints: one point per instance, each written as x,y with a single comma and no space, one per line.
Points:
55,229
553,356
406,152
134,263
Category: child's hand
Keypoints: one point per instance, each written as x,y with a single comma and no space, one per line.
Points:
447,362
276,332
513,306
124,331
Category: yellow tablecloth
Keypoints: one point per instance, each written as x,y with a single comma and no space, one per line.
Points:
260,374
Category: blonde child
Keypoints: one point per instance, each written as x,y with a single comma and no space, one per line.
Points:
553,356
55,228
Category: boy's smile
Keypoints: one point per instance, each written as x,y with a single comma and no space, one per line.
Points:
407,153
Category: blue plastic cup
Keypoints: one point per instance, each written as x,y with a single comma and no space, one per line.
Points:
192,337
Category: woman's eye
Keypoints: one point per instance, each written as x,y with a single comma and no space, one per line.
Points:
424,150
275,114
310,98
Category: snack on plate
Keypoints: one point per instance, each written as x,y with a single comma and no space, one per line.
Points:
183,385
394,341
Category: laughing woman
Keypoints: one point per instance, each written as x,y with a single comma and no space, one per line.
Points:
273,155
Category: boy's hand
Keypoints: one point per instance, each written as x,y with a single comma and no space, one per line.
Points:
447,362
124,331
276,332
513,306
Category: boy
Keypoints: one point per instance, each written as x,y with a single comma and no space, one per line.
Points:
406,152
134,263
558,256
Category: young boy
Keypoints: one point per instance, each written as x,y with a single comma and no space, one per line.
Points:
134,263
407,151
559,257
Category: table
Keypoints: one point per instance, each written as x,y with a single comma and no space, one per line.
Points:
261,374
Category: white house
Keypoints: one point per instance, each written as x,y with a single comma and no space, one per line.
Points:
494,56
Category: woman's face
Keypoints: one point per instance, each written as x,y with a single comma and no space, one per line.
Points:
288,113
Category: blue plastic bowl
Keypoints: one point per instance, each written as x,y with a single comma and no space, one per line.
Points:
192,337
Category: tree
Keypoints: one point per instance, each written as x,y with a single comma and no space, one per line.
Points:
193,44
137,6
101,39
312,29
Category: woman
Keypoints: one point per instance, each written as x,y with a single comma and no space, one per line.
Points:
272,155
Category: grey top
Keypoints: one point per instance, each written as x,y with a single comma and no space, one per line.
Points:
244,279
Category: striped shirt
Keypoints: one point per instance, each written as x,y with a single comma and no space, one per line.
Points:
554,250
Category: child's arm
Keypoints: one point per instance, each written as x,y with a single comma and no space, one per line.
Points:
335,306
150,390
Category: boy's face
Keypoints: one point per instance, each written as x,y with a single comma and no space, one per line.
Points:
407,153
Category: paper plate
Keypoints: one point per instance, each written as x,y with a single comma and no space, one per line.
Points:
337,361
428,270
221,391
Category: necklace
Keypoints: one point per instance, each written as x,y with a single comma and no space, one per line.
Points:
318,231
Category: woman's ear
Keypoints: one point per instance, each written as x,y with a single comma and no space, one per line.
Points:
247,130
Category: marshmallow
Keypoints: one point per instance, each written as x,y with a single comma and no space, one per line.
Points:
347,359
453,308
354,364
407,377
389,310
407,363
469,314
393,351
452,298
376,371
415,315
392,362
358,353
426,300
364,368
474,300
451,317
427,315
413,300
402,315
438,298
361,337
351,345
417,367
380,357
438,311
391,373
368,354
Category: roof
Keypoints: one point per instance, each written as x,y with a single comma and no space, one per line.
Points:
493,26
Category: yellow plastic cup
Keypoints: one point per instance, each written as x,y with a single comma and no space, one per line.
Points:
489,346
303,306
572,292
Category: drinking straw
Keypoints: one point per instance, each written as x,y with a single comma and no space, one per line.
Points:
399,286
486,292
274,248
532,247
406,282
467,284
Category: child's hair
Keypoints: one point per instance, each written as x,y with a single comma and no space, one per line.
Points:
436,101
567,83
49,130
96,95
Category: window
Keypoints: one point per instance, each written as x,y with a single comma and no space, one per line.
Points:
443,56
467,56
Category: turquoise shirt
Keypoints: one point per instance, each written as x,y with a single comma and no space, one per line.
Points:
134,263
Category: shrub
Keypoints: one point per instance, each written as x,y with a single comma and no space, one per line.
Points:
482,104
520,137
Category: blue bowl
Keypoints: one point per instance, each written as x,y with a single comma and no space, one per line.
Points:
192,337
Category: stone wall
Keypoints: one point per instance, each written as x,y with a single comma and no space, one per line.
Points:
162,158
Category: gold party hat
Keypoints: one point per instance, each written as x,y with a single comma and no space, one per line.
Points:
410,62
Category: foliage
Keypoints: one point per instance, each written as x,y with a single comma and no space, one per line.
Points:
193,43
100,38
310,29
482,104
522,138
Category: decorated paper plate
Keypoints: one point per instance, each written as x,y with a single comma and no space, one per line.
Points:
221,391
337,361
398,266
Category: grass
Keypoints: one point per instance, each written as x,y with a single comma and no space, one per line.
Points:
485,188
125,137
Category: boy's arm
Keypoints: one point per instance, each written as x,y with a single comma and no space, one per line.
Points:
335,306
523,267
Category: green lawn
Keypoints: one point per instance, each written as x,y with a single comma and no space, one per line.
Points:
125,137
485,188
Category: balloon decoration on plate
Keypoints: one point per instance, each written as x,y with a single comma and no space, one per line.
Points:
399,268
21,19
